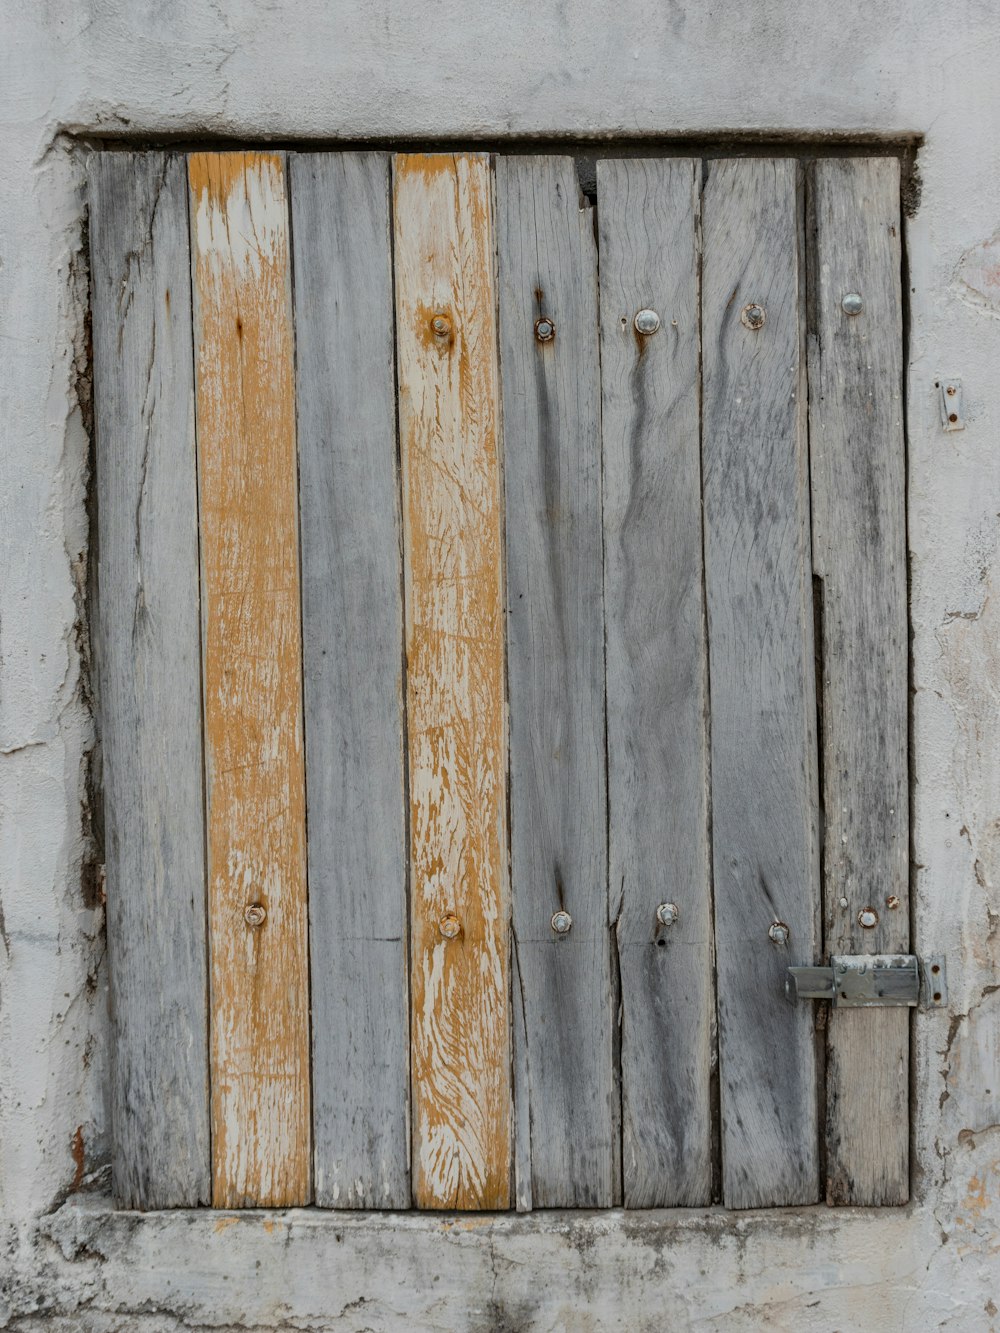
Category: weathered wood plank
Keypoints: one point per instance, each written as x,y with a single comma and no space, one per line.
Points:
452,525
859,553
551,399
763,722
148,648
657,676
252,679
352,655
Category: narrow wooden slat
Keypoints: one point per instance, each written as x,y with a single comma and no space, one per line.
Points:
252,679
452,524
657,676
352,631
859,551
763,714
148,649
551,399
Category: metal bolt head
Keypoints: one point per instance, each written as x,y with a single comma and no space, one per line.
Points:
667,913
441,326
255,914
892,902
561,922
778,932
852,304
450,926
545,329
647,322
753,316
868,917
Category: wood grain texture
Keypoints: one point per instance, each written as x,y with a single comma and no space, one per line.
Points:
352,653
764,780
452,524
859,553
551,396
147,640
252,679
657,684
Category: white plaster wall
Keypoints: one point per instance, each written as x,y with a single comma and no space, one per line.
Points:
249,69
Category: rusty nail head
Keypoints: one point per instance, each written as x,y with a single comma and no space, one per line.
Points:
868,917
561,922
254,914
647,322
892,902
450,926
441,326
778,932
545,331
753,316
667,913
852,303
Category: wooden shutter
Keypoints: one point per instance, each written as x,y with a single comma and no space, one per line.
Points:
547,698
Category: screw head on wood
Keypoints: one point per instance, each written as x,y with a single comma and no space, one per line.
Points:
255,914
852,304
441,326
647,322
545,329
753,316
868,917
561,922
667,913
778,932
892,902
450,926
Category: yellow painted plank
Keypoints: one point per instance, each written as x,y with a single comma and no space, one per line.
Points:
449,426
251,643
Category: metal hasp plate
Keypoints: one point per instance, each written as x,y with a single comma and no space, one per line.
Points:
860,981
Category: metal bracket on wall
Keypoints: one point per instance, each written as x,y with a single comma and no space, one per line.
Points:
865,981
951,403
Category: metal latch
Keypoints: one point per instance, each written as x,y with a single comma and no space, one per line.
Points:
868,981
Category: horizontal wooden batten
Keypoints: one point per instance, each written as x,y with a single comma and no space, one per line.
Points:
452,525
252,680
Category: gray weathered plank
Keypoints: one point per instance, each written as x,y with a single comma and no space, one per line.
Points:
551,403
859,554
657,676
352,663
763,720
148,632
